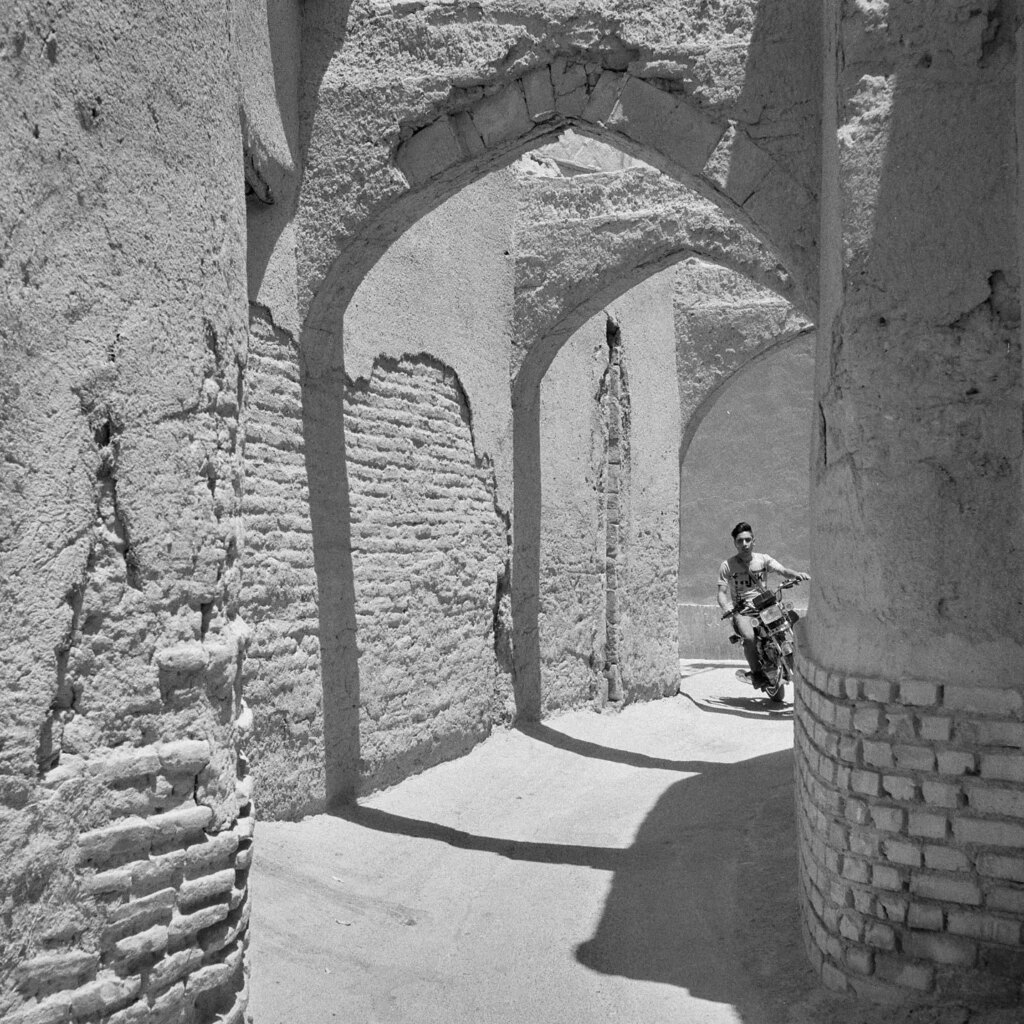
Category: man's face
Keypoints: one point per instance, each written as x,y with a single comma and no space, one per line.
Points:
744,544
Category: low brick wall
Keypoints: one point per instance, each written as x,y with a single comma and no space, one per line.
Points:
911,815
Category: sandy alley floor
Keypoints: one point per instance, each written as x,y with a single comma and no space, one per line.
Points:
623,867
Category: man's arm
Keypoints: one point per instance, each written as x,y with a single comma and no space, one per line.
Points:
724,593
789,574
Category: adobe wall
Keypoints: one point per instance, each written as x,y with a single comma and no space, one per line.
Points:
126,818
737,84
428,425
609,434
128,257
442,298
582,244
425,400
909,717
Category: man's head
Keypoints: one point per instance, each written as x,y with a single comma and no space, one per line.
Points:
743,538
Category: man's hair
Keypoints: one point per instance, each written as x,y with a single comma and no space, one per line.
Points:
741,528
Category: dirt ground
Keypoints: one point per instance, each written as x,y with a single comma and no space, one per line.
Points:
629,867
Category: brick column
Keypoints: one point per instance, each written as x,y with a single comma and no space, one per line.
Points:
910,711
912,823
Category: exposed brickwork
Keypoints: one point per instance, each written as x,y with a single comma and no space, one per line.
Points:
123,851
615,485
157,895
430,559
282,672
911,836
430,576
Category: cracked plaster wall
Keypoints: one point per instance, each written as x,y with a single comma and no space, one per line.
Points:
126,817
124,319
380,96
577,621
397,684
444,288
908,722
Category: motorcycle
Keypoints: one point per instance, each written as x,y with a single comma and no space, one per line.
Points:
773,634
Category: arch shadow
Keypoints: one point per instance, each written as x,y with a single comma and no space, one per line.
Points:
705,896
716,910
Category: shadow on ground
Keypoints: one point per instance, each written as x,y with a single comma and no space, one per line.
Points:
704,898
585,748
708,899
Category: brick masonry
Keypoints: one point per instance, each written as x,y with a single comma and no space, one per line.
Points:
430,557
430,574
911,816
615,487
282,673
157,897
127,852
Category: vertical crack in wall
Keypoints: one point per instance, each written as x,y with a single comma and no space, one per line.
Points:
110,529
109,505
823,433
503,604
615,400
68,693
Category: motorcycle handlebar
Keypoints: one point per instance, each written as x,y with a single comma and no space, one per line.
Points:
785,585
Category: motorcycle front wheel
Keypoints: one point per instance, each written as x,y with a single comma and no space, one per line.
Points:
781,671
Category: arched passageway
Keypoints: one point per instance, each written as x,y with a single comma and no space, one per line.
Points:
708,233
625,230
125,412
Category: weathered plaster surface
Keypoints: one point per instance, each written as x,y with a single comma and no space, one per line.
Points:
918,459
446,288
426,98
129,251
908,722
124,343
609,499
651,532
584,241
573,518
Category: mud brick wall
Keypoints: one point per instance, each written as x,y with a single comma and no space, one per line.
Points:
609,533
430,561
572,620
282,672
126,897
911,814
163,901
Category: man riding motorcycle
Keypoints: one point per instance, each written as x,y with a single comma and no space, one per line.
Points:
741,578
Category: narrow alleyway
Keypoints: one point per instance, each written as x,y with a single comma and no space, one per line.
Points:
631,867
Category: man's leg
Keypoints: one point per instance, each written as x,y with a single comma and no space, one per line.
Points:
744,626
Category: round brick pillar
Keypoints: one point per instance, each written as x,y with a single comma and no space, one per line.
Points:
910,708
